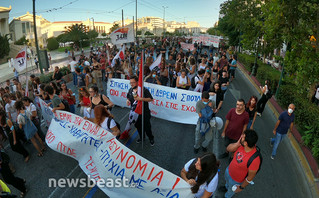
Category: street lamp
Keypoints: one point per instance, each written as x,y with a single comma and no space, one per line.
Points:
93,23
164,20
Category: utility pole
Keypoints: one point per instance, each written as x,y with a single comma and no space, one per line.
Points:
164,20
122,18
36,37
93,23
136,21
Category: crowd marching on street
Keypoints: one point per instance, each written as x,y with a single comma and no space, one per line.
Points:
200,70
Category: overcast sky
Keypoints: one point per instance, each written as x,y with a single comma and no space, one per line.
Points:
203,11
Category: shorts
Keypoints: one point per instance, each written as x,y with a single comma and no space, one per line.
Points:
229,141
232,72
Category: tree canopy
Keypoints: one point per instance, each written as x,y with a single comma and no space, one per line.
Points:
4,46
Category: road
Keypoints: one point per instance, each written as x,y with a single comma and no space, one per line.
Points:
282,177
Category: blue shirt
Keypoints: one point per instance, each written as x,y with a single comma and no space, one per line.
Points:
234,62
285,121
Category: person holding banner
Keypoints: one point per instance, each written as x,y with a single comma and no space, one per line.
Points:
97,99
132,99
183,82
153,78
55,100
202,175
30,130
84,98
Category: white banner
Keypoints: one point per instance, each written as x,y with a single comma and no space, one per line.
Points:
103,158
123,35
46,112
171,104
207,40
20,62
187,46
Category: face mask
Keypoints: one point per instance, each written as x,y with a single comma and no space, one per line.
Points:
205,103
154,75
290,111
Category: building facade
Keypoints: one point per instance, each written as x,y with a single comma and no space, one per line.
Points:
4,20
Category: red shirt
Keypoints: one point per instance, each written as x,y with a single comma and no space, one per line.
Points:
103,63
86,101
238,166
236,124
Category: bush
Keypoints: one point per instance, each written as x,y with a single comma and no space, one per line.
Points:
46,78
22,41
53,44
65,70
85,43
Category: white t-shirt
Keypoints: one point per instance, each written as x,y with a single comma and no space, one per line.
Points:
211,187
317,93
86,63
215,59
72,65
31,108
10,108
112,124
266,90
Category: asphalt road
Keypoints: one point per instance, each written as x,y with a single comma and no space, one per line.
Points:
282,177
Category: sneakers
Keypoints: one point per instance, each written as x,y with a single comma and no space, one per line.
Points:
272,157
271,144
152,142
196,150
138,140
259,114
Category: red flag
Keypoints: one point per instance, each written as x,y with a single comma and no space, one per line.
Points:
140,90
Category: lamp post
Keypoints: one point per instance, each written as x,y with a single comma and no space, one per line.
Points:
164,7
36,38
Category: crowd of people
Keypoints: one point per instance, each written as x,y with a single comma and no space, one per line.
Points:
198,70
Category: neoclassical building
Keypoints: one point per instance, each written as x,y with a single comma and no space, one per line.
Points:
4,20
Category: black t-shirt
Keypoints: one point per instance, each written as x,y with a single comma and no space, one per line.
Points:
58,76
147,94
223,80
251,113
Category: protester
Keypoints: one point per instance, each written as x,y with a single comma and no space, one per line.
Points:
32,110
216,94
9,178
68,95
9,107
238,174
285,122
224,80
251,109
163,73
153,78
236,123
56,101
14,137
84,99
203,127
200,80
104,119
30,130
233,66
57,75
202,175
97,74
132,100
71,66
56,88
183,82
88,77
96,98
264,98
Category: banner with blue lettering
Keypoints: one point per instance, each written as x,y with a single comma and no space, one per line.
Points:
103,158
171,104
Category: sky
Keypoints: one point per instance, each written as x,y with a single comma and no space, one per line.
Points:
205,12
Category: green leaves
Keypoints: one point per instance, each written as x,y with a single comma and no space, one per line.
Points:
4,46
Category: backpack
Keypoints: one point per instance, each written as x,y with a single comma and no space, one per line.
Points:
193,84
254,156
66,105
207,115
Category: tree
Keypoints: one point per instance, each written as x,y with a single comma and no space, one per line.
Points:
103,34
214,31
148,33
76,33
62,38
114,27
4,46
52,44
139,32
92,35
22,41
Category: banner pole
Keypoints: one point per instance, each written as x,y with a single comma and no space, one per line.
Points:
142,91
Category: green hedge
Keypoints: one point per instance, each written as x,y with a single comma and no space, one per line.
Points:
307,113
46,78
53,44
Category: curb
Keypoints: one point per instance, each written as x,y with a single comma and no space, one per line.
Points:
311,179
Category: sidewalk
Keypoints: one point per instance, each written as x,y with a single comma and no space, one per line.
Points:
57,59
306,160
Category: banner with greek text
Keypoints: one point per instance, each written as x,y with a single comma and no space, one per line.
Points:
103,158
46,112
187,46
171,104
